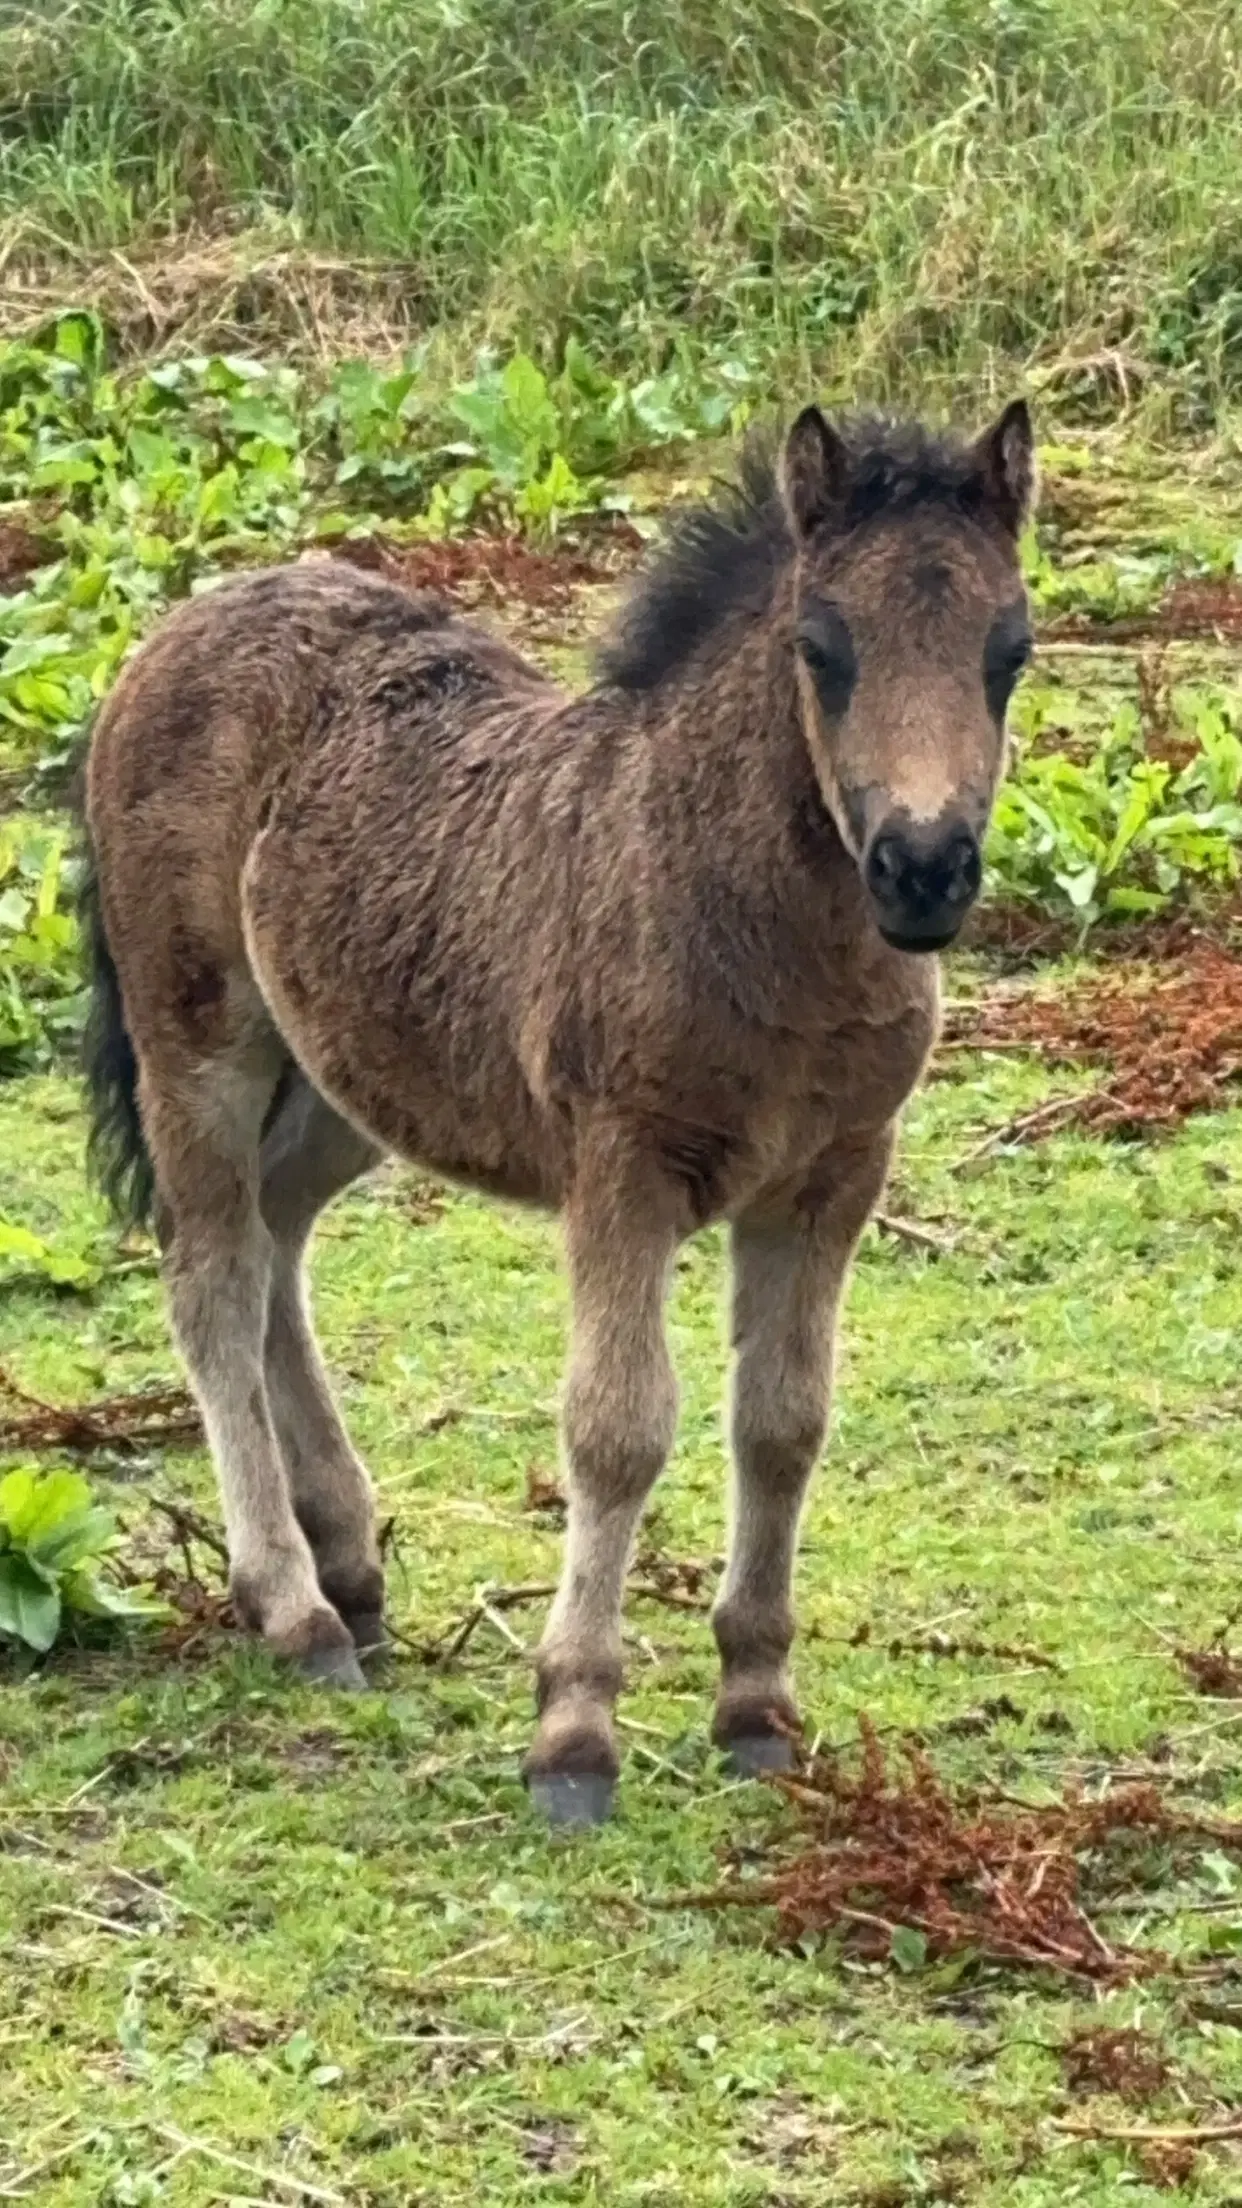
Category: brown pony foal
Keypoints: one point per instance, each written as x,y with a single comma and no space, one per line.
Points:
366,881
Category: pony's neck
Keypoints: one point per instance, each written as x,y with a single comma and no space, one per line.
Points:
725,738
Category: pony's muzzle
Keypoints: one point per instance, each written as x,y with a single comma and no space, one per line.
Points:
923,880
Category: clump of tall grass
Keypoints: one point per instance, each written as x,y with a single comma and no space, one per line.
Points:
925,194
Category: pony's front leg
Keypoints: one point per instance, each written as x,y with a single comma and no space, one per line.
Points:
790,1262
620,1407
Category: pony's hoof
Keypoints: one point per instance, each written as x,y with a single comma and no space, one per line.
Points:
369,1634
570,1799
755,1755
333,1667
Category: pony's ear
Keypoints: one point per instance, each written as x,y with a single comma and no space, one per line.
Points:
1005,456
814,468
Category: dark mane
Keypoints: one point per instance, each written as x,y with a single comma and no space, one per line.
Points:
723,556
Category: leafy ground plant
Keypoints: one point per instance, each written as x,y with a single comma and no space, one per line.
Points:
143,484
1121,834
25,1256
55,1546
41,1000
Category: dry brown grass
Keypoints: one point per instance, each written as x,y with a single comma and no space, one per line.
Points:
220,293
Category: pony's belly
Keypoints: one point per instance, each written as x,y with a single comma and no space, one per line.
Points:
504,1151
445,1093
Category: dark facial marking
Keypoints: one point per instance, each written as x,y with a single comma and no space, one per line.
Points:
1005,654
827,649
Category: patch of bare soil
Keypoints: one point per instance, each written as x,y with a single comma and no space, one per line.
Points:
1170,1042
544,1497
1168,2163
486,570
982,1876
550,2145
1023,937
20,554
1208,608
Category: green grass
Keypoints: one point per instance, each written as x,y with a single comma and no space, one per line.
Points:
356,1958
934,196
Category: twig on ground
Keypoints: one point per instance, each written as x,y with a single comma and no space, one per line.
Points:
1044,1120
432,2041
499,1625
914,1232
189,1526
643,1591
410,1982
662,1763
115,1925
487,1601
1213,1725
284,2179
1178,2135
945,1645
160,1893
15,2187
120,1422
970,1872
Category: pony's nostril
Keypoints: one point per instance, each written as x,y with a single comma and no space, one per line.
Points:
886,862
965,869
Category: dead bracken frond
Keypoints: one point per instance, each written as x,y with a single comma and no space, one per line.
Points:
1215,1669
892,1854
151,1418
1126,2061
1170,1044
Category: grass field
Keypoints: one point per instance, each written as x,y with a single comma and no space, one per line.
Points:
925,198
330,1939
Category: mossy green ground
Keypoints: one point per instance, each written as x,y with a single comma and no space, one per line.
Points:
347,1954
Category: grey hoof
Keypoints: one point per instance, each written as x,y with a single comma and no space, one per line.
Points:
370,1637
754,1755
577,1798
333,1667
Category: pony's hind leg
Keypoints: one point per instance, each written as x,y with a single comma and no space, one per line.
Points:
203,1119
619,1411
790,1262
309,1155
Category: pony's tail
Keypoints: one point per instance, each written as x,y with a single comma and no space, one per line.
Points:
116,1150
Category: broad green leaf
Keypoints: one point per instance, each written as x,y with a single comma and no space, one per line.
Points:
31,1503
17,1494
30,1604
908,1948
62,1267
88,1595
79,1535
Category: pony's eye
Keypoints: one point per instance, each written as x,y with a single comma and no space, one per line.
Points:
827,650
1005,654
